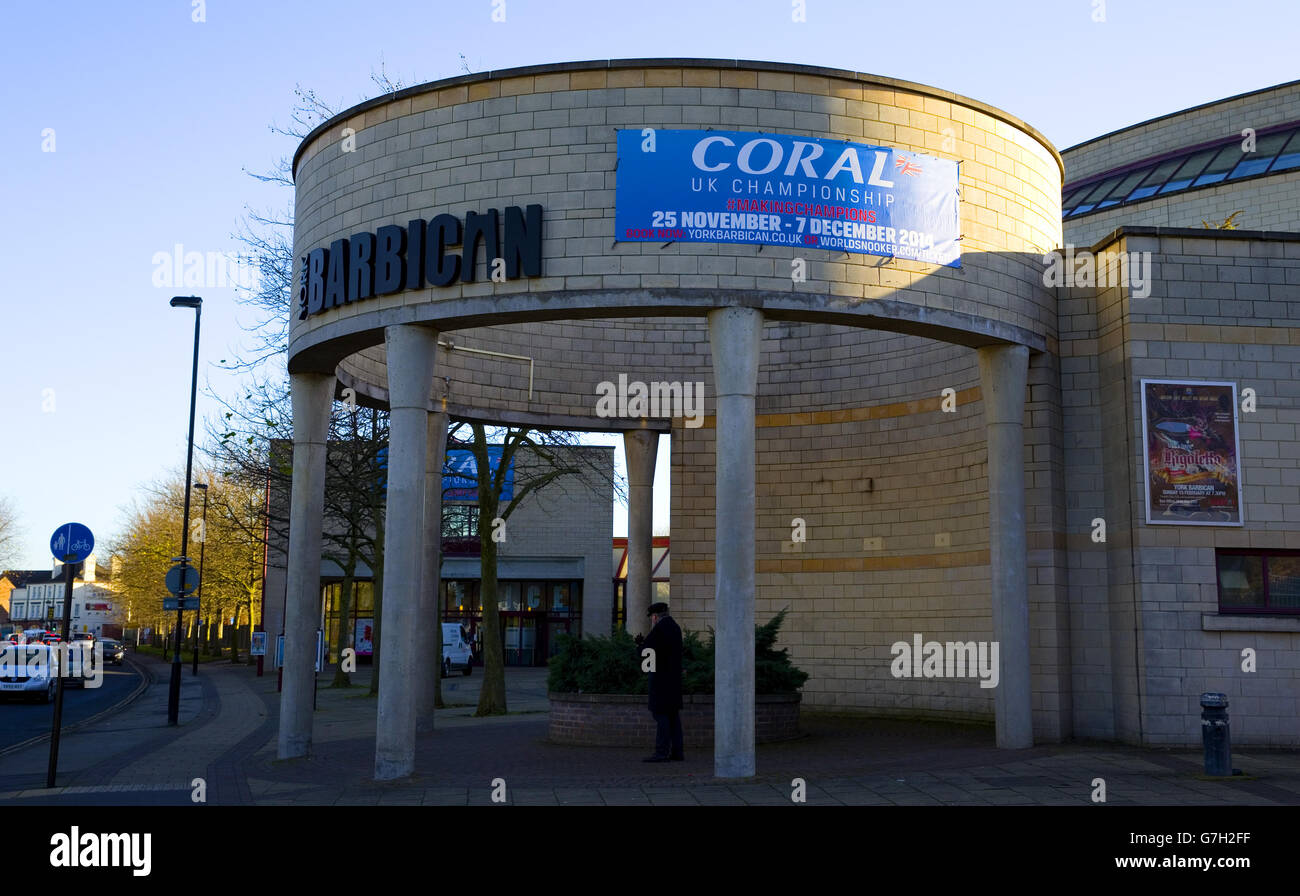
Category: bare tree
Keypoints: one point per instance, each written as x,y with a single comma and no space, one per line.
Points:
11,534
551,458
150,538
241,439
251,444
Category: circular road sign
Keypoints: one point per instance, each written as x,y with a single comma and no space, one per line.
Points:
71,543
182,588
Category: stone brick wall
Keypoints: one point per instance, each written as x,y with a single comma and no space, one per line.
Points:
851,436
894,499
491,141
1147,637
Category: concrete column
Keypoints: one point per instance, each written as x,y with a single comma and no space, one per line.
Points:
312,394
735,335
641,446
1003,373
410,387
430,612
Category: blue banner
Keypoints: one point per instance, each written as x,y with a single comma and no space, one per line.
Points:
460,475
783,190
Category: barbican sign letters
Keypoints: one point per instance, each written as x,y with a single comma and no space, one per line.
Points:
395,258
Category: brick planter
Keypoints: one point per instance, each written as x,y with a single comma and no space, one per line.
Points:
624,720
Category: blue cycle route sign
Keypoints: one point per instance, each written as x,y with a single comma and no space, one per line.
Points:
71,543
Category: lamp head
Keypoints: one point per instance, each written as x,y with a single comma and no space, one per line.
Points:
186,302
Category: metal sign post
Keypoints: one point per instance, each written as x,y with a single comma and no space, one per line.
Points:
320,662
72,543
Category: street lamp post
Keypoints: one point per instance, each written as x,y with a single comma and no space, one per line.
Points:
203,547
174,689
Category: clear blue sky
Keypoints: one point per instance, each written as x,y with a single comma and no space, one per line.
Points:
155,116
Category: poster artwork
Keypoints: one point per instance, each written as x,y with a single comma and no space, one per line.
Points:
1192,469
365,635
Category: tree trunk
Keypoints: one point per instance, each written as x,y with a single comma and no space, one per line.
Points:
492,695
252,622
341,678
234,637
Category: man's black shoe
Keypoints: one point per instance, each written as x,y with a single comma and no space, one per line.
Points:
656,759
678,758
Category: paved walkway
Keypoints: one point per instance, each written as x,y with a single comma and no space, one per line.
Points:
227,738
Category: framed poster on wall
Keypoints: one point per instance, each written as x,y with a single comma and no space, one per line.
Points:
363,637
1192,453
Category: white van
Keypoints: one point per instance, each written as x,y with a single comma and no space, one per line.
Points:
456,650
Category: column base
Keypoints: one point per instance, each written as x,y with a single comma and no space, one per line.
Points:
393,769
734,767
296,747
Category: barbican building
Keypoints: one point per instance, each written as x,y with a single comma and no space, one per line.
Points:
1044,398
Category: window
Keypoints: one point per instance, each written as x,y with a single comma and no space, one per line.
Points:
1098,193
1153,181
1220,165
534,594
1273,153
461,599
508,596
1259,582
1072,198
1289,157
460,521
1257,162
560,598
1187,172
361,608
1122,189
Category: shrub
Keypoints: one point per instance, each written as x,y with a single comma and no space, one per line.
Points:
602,665
612,665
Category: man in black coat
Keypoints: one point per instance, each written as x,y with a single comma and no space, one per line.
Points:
665,639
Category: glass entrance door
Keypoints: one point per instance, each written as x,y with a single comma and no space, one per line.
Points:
520,631
555,628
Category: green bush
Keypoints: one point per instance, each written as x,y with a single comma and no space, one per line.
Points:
612,665
600,665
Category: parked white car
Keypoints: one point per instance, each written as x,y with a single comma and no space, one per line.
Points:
29,670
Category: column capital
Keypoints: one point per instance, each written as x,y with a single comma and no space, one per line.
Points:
411,358
1004,373
310,395
735,337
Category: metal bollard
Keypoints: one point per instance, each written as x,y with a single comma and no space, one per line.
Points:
1214,734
